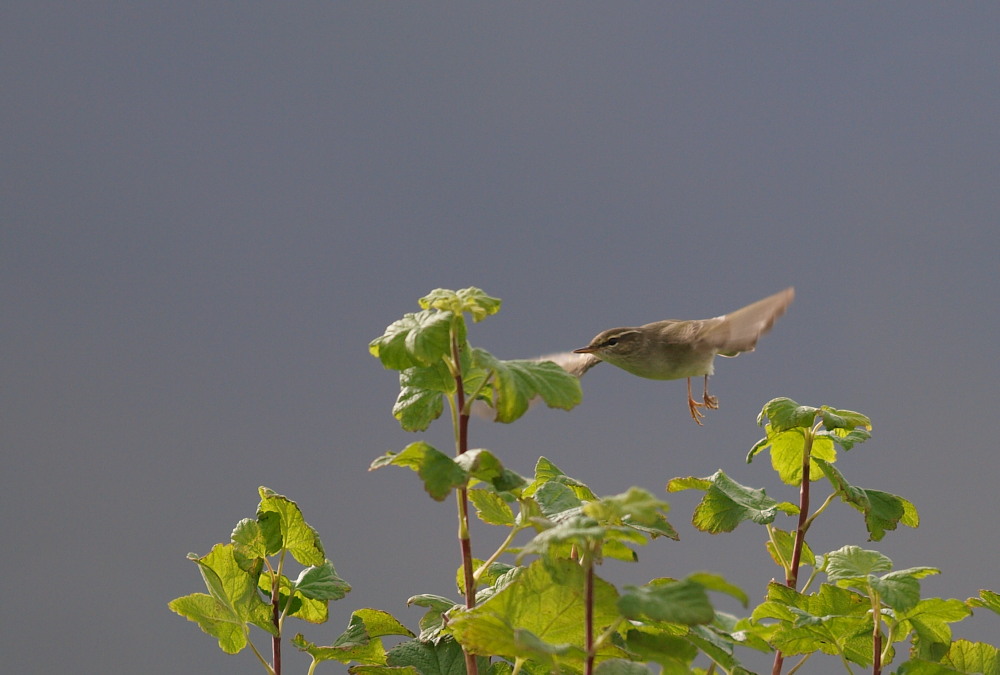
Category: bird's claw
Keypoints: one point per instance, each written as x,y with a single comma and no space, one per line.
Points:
696,414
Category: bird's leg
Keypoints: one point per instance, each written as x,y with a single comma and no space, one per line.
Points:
710,401
693,406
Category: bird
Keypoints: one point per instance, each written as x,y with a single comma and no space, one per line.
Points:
672,349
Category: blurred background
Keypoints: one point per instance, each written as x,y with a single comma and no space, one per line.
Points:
208,211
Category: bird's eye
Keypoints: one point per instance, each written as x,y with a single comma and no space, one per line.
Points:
612,341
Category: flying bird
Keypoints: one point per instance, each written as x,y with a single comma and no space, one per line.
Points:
673,349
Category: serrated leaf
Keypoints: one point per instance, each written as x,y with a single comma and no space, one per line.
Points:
854,562
491,507
360,641
515,383
484,466
635,506
786,454
471,300
684,602
433,620
441,657
928,621
539,616
726,503
322,583
546,472
621,667
833,620
988,599
232,601
250,544
782,555
298,537
672,652
439,472
883,511
418,339
717,583
299,606
421,395
973,657
898,590
784,413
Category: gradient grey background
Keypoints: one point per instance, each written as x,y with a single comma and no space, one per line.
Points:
209,210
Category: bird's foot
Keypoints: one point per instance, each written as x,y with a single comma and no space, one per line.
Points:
696,414
710,401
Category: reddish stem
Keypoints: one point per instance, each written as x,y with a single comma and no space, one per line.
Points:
276,617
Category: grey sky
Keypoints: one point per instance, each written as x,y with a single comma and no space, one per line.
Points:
206,212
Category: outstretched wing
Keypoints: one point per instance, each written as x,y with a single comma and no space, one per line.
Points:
739,331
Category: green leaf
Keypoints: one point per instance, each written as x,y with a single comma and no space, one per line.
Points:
232,601
988,599
491,507
621,667
360,642
250,545
636,506
439,472
418,339
484,466
442,657
845,439
555,497
786,453
726,503
684,602
784,414
471,300
899,590
538,616
322,583
974,657
883,511
833,620
547,472
854,562
432,622
928,620
297,536
715,582
652,643
299,606
785,544
515,383
421,395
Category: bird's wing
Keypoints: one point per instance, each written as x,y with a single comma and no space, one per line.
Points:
739,331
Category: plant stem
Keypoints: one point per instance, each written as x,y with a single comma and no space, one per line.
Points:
876,633
792,572
588,609
276,617
464,540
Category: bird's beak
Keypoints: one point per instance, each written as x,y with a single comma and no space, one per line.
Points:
585,350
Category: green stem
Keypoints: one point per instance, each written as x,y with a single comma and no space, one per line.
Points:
588,609
876,633
798,665
253,648
496,554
